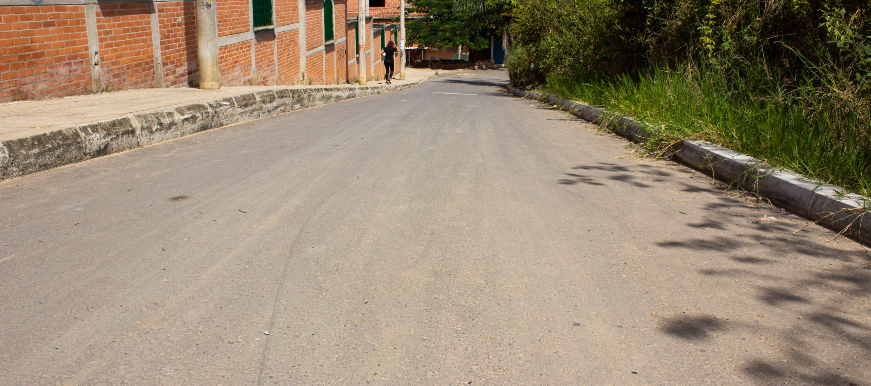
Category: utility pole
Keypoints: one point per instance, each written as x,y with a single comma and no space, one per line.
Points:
207,45
402,40
361,41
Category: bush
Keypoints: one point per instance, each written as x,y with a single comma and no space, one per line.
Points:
787,81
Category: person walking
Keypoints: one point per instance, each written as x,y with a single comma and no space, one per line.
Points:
387,54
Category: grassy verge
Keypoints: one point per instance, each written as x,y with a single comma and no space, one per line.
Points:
787,127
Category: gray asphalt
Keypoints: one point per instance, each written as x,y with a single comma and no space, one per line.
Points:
446,234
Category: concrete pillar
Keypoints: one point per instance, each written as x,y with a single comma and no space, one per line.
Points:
93,47
155,42
402,40
361,41
207,45
302,41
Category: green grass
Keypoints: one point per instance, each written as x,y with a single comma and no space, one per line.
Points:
790,126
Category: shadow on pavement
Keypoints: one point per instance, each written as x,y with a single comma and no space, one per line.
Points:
815,285
633,175
810,292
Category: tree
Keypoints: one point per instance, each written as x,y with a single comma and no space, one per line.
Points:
496,14
451,23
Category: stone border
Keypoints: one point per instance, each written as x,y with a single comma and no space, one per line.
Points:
827,205
23,156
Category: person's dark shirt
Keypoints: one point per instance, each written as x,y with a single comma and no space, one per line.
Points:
388,54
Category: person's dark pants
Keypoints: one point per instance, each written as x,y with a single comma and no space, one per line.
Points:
388,71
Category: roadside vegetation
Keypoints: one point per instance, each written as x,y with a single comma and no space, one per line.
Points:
785,81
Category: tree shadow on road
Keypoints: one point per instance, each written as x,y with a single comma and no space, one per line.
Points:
817,285
807,291
638,175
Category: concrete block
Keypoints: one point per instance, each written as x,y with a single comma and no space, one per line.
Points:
41,152
246,101
153,127
192,118
107,137
223,111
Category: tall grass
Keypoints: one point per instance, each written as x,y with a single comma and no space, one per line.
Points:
820,134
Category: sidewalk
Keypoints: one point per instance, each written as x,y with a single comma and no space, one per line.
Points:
39,135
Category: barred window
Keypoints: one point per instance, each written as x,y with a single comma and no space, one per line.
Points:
356,39
262,13
329,30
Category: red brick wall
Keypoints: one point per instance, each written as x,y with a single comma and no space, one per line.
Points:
178,43
330,64
286,12
234,62
126,49
341,31
288,57
43,52
389,10
264,51
373,44
314,25
352,68
342,62
314,68
233,17
44,49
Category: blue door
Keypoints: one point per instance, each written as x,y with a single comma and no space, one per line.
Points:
498,54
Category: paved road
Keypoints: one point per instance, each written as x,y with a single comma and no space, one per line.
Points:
447,234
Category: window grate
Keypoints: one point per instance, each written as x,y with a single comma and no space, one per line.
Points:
262,13
329,31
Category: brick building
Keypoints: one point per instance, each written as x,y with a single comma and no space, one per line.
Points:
53,48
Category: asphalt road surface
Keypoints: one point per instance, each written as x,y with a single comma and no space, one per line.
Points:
449,234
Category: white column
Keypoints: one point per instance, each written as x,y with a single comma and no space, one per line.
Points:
302,42
207,45
361,41
402,40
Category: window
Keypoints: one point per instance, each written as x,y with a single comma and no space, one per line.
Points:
356,39
262,13
376,3
328,21
382,39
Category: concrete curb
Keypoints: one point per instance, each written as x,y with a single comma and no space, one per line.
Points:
827,205
23,156
486,67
